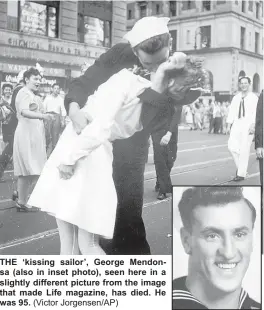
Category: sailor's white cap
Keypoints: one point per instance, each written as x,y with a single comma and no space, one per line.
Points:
146,28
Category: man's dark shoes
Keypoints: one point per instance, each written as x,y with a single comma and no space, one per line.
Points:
157,188
22,208
15,196
238,178
162,196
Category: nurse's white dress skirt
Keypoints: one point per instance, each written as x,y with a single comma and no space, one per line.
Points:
88,199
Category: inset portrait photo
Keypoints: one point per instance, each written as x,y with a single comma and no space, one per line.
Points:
217,247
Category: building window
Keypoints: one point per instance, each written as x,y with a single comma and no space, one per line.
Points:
256,42
220,2
174,40
157,9
256,83
206,5
244,6
129,14
12,15
250,6
257,10
94,31
143,9
249,39
205,32
188,36
173,8
242,37
188,5
39,17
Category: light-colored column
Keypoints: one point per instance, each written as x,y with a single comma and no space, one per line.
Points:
68,20
166,8
118,21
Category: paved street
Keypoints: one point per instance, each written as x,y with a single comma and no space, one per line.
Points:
202,159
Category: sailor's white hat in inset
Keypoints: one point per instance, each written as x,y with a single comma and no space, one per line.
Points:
146,28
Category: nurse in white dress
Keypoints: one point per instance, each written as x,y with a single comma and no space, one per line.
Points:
83,199
89,211
242,115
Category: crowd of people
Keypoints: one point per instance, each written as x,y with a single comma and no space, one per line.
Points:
202,115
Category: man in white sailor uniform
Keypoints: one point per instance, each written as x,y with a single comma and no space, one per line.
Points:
217,231
241,117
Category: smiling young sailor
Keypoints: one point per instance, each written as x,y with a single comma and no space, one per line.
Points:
217,235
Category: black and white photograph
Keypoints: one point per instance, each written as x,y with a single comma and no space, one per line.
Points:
106,105
217,247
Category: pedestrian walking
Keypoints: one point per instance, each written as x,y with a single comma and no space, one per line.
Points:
165,151
241,116
29,153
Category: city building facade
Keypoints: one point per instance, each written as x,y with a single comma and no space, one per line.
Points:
59,35
228,34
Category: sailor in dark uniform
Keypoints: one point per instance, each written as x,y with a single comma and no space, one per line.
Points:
165,142
217,232
183,299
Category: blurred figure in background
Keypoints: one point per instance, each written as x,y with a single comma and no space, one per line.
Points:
259,135
203,113
197,116
217,117
210,113
224,113
189,116
54,104
6,114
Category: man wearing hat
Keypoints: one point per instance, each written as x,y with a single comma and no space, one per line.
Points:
241,116
149,46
